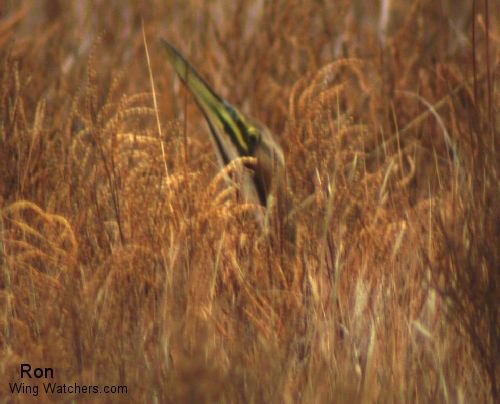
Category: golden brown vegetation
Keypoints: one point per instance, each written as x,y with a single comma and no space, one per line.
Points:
125,259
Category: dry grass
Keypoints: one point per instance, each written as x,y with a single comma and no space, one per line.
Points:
126,259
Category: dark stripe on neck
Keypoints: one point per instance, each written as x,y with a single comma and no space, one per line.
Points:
220,147
227,128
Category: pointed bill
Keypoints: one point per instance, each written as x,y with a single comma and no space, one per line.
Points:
226,124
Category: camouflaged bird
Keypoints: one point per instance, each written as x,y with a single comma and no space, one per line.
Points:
237,135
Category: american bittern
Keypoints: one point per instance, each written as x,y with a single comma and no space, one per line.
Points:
236,135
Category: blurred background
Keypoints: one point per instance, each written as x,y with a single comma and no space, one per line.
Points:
127,260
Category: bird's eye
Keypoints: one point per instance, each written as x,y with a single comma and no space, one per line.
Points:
253,134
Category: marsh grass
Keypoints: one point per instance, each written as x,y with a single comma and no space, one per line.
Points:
128,259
